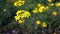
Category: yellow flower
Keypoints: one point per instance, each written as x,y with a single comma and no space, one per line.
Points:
46,7
39,5
41,9
19,12
21,15
44,24
15,3
57,4
21,21
27,14
22,1
35,11
38,22
49,0
54,13
17,18
19,3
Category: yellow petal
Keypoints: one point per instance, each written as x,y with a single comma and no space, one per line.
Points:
54,13
38,22
44,24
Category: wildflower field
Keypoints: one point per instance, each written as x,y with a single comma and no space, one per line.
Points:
29,16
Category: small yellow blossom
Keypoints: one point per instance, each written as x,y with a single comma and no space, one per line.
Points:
38,22
39,5
21,21
35,11
27,14
21,15
19,3
23,1
41,9
19,12
17,18
46,7
44,24
54,13
57,4
49,0
15,3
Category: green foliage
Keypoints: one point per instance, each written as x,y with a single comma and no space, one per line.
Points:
7,13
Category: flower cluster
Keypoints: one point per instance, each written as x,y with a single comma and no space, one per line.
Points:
40,8
19,3
21,15
52,4
44,24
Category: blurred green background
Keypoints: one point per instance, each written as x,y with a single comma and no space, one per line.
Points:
9,25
